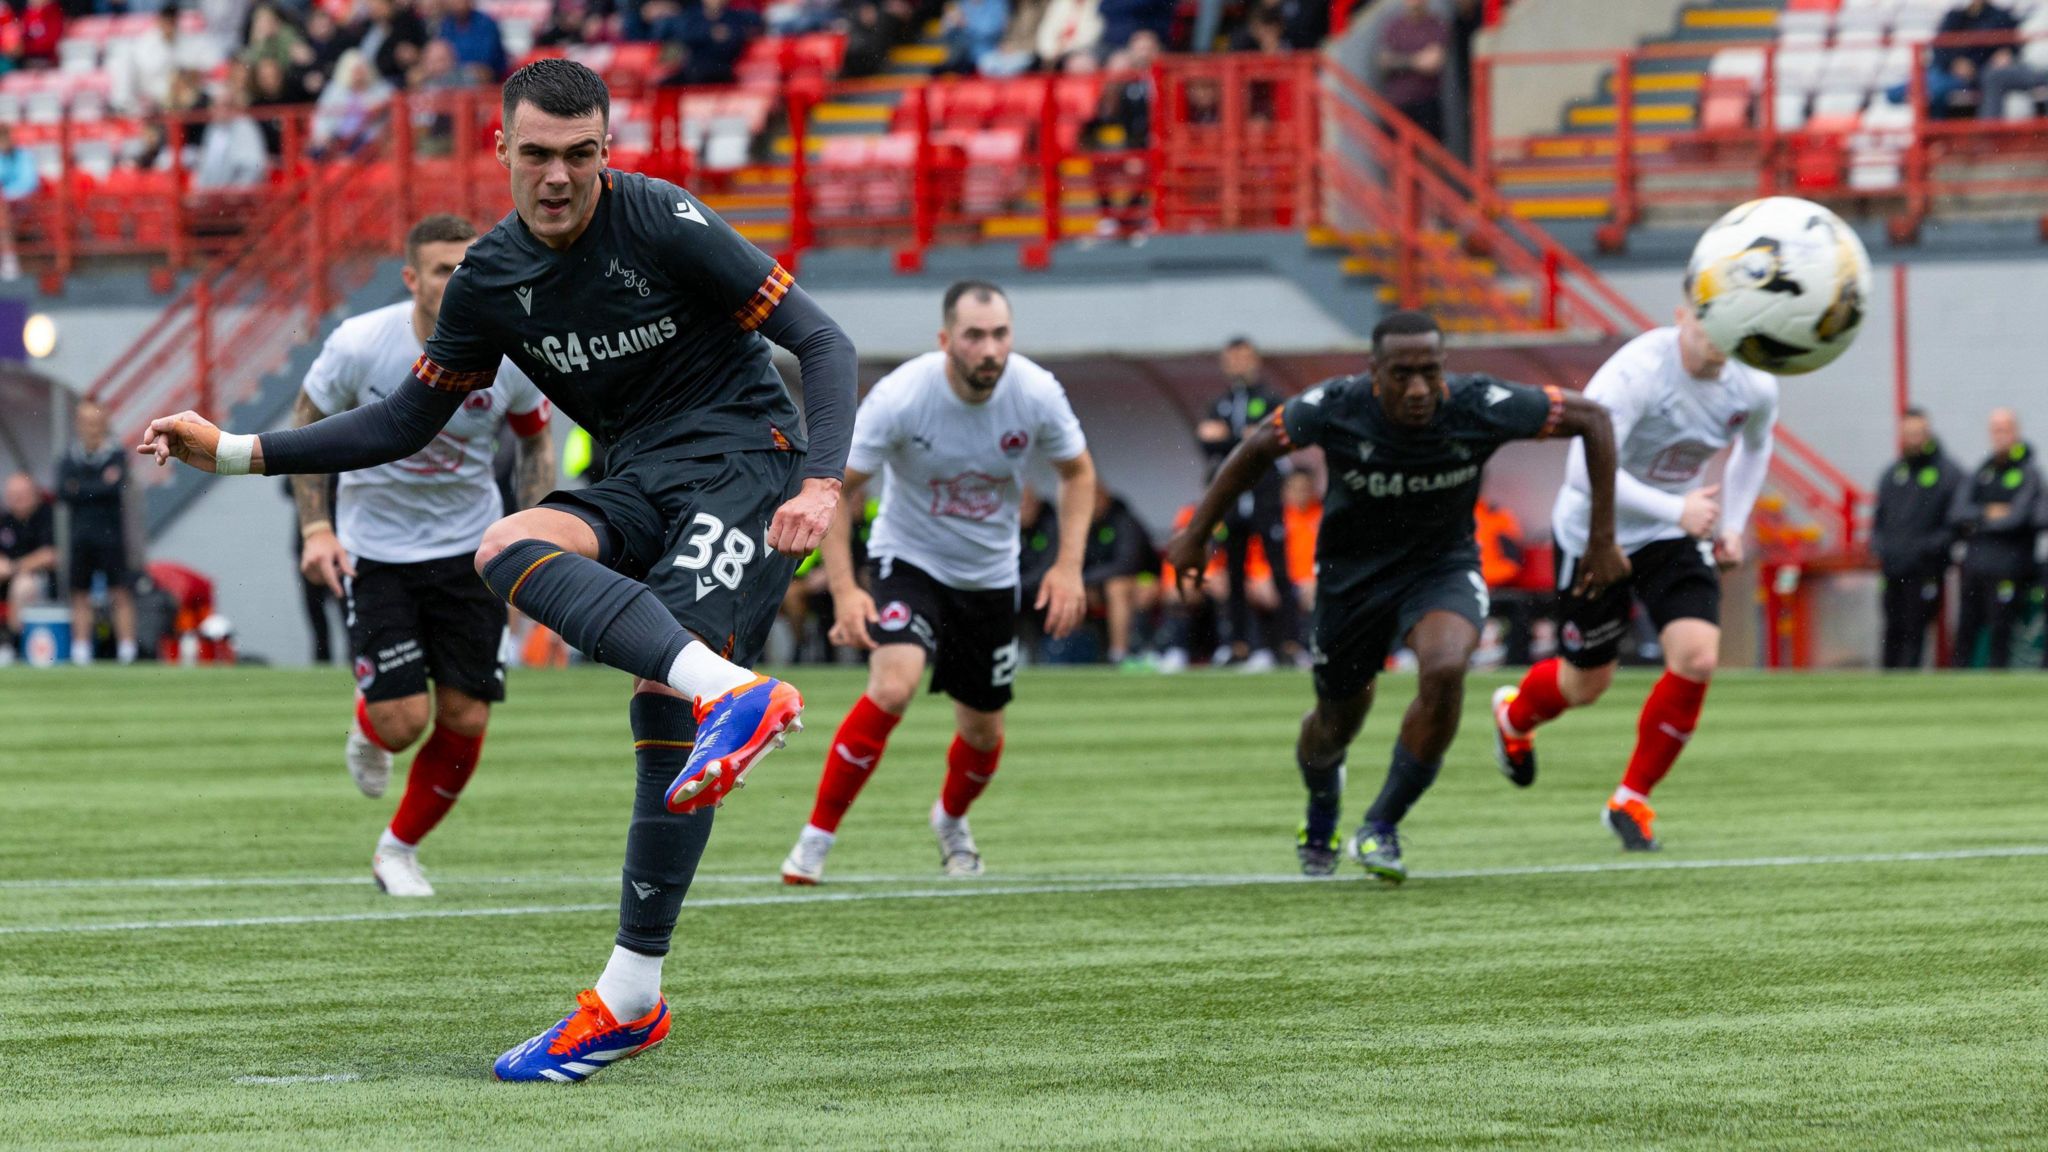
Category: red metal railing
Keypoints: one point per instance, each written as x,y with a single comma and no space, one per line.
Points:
1904,161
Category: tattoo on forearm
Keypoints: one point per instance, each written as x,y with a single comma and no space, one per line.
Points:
309,490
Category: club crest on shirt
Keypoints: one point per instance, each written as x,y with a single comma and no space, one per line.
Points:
894,616
1014,442
969,496
1572,637
366,673
1737,420
479,401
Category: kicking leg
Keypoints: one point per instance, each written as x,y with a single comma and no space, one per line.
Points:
894,671
543,562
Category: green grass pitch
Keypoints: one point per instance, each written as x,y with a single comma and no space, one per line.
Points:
1845,945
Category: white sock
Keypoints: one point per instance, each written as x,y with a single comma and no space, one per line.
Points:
631,984
389,845
814,834
702,674
125,651
1624,794
81,652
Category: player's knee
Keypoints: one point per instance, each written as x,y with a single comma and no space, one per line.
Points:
891,692
400,722
983,731
1696,664
1441,679
461,713
498,537
1580,686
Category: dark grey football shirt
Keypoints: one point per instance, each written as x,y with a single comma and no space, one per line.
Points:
643,331
1401,498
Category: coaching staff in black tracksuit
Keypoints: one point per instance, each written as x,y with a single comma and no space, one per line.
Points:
1249,402
1912,537
1999,511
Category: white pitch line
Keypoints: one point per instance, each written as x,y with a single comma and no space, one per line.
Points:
329,1078
971,890
115,883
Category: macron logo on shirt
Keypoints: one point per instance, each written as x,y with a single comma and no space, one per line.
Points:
688,211
1495,394
525,294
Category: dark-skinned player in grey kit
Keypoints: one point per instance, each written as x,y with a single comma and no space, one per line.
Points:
1395,559
647,320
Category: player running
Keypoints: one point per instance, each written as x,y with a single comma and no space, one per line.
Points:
1396,562
647,320
398,548
952,432
1676,402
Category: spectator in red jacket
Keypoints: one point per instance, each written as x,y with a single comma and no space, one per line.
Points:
42,26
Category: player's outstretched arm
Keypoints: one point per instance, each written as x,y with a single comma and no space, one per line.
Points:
1188,553
1062,595
852,608
390,429
1605,564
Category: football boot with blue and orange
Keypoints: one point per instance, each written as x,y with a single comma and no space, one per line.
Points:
734,731
586,1042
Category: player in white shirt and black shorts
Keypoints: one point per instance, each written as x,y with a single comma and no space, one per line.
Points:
951,433
399,548
1676,402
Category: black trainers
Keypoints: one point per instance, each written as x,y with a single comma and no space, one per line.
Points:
1317,860
1378,852
1632,821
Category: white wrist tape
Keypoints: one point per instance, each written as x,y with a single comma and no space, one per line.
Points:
231,457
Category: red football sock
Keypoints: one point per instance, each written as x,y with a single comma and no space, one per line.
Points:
369,729
1538,701
439,771
856,749
967,772
1669,716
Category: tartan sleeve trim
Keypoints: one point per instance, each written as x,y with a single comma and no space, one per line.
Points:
763,302
442,379
1280,428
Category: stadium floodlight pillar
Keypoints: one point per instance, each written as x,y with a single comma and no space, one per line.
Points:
202,348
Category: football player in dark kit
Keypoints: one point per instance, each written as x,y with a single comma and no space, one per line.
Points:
647,320
1395,560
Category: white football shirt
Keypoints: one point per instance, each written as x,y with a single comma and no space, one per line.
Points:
438,501
952,471
1667,427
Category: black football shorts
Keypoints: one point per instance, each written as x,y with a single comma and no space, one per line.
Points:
969,635
1672,579
1351,636
436,619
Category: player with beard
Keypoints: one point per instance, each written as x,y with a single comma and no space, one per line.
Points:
1396,561
951,433
647,320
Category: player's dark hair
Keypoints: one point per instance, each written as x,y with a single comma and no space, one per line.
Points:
1403,323
1240,342
559,88
440,228
982,290
1914,413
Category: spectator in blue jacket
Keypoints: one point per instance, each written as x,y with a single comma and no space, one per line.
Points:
478,45
971,30
19,180
713,36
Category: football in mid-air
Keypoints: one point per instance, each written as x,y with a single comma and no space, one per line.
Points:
1780,284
